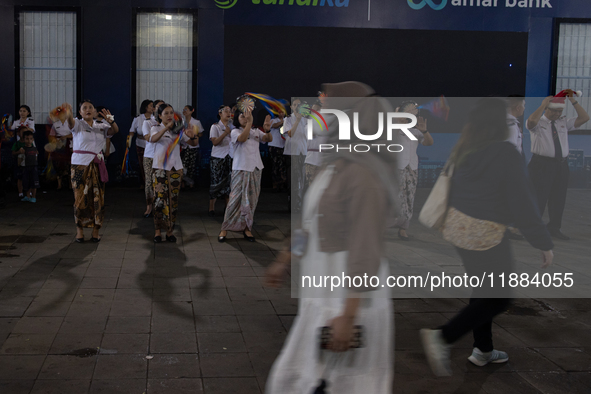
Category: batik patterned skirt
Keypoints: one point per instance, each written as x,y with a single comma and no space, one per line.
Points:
279,174
140,158
408,188
149,181
244,196
221,174
167,185
189,158
89,196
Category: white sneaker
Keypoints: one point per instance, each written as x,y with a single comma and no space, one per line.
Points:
437,351
481,359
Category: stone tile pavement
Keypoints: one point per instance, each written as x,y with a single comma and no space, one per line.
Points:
128,316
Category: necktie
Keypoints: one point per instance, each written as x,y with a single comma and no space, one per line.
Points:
557,146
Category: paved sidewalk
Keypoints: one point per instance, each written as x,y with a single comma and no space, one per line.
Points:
128,316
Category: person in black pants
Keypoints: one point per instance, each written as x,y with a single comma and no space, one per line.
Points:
489,189
548,167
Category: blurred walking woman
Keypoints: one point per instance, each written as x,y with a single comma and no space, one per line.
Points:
408,167
246,175
220,162
89,172
168,171
489,189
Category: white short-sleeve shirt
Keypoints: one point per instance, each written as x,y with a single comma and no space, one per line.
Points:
223,148
88,138
29,122
193,122
146,129
247,155
408,156
61,130
542,142
313,156
278,140
515,134
297,144
161,146
137,128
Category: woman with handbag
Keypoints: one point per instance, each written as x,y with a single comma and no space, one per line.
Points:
344,216
489,189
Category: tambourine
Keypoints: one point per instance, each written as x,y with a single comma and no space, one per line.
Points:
245,103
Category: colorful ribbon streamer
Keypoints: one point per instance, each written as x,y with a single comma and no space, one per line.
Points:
5,132
272,105
438,107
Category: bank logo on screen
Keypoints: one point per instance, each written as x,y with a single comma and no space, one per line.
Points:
225,4
430,3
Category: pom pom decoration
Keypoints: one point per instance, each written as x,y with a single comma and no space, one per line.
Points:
61,113
438,107
5,132
50,147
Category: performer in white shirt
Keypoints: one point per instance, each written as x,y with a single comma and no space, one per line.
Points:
168,170
24,123
149,160
548,168
61,136
278,159
515,109
246,175
220,162
89,172
190,153
408,167
146,110
296,145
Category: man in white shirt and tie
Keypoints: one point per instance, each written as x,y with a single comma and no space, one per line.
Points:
548,168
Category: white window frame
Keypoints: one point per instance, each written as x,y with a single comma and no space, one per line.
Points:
51,75
174,80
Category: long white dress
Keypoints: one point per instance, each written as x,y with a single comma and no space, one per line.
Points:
300,366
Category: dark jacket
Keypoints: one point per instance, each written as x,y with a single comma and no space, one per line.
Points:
492,184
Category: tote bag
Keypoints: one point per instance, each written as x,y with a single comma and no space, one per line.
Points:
435,209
